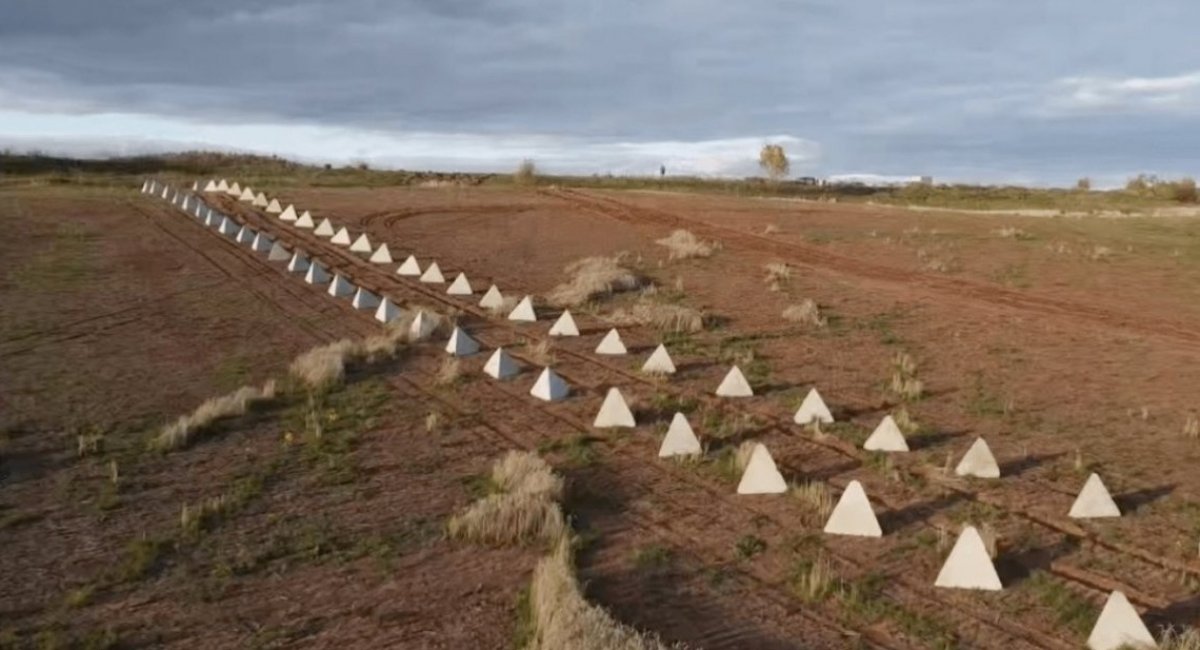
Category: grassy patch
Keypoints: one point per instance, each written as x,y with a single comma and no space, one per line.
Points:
1069,608
140,558
65,261
576,449
982,402
748,546
865,602
652,557
525,628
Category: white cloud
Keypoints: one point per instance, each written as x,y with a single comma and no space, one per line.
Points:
1092,94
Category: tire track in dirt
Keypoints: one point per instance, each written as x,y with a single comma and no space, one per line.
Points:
814,257
391,218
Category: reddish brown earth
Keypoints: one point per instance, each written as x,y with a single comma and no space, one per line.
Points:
1041,349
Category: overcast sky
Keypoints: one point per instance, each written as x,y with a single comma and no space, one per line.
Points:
1031,91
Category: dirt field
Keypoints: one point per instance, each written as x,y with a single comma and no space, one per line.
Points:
1071,345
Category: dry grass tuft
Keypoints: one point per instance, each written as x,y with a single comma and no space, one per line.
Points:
449,372
904,382
815,498
777,272
742,457
816,583
988,534
323,366
806,313
1187,638
772,229
661,316
682,245
564,619
1191,426
507,304
179,433
593,277
1100,253
540,352
433,421
525,508
905,420
1012,232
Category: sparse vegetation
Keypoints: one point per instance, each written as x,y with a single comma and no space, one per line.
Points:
805,313
773,160
749,546
180,433
904,383
591,278
778,273
660,316
814,497
526,173
449,372
540,352
682,245
524,508
813,581
1191,426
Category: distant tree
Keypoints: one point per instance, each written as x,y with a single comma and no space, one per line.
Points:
1184,190
1083,184
526,173
774,161
1141,184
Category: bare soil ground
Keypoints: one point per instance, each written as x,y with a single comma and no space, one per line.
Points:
120,313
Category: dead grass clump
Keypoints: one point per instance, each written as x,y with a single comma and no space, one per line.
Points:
772,229
448,373
682,245
661,316
563,618
988,534
815,583
179,433
806,313
1187,638
322,366
1191,426
815,498
524,509
904,382
777,272
1012,232
1100,253
540,352
507,304
744,452
593,277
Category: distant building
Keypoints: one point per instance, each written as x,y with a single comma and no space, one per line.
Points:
806,180
926,180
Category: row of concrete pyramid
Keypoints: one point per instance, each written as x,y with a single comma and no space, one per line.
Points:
968,566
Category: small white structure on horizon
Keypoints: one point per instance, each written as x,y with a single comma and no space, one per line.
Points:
853,514
680,439
614,412
761,475
735,384
549,387
611,344
501,365
969,566
565,325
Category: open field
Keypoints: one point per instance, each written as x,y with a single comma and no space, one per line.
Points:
1069,344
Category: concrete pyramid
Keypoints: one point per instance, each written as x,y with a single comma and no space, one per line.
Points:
549,387
260,200
978,462
213,219
228,227
342,238
200,208
245,235
316,274
461,344
274,208
1094,501
680,439
409,267
969,566
761,475
145,187
735,384
813,409
288,214
247,195
387,311
324,229
565,325
304,221
308,214
853,514
523,312
1119,626
195,186
211,186
340,286
166,192
184,204
493,299
278,253
361,245
299,262
262,243
222,186
422,326
611,344
460,287
659,362
364,299
381,255
886,437
433,275
614,412
234,190
500,365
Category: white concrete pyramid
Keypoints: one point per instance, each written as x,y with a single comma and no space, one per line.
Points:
166,192
260,200
659,362
288,214
461,344
614,412
886,437
813,409
565,325
304,221
228,227
247,195
308,214
262,243
969,566
145,186
234,190
316,274
211,186
278,253
274,208
387,311
493,299
611,344
549,387
200,208
298,263
361,245
1119,626
381,255
245,235
1094,501
680,439
184,204
364,299
340,286
500,365
433,275
761,475
342,238
735,384
223,186
523,311
324,229
213,219
460,287
978,462
195,186
853,514
421,327
409,267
